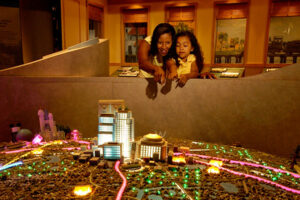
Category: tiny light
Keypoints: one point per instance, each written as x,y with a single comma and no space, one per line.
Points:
213,170
216,163
37,151
178,160
57,142
82,190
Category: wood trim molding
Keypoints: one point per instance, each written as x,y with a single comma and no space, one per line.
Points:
114,64
62,18
262,65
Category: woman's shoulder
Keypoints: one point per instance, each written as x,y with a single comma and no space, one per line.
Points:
148,39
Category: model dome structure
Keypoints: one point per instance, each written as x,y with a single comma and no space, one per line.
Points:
150,144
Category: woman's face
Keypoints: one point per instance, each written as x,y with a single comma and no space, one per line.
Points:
164,43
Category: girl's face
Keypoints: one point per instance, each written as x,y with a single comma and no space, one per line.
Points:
183,47
164,43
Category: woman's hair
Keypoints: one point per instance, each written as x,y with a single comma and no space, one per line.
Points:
158,31
197,50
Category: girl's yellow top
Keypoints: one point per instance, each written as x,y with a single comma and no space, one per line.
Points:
185,67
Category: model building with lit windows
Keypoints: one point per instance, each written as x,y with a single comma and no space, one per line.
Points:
150,144
124,130
106,114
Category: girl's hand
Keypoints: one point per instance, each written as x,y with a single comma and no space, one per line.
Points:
182,80
172,75
207,75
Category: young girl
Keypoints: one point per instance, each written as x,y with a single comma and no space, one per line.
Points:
188,61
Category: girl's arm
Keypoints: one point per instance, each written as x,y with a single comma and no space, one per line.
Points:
145,64
185,77
172,69
205,74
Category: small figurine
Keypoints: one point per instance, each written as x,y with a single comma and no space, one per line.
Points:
15,127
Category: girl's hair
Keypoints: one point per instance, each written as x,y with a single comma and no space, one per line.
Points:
197,50
158,31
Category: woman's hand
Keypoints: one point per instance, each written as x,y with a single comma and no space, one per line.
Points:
207,75
159,75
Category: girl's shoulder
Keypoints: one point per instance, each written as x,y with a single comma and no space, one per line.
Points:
191,58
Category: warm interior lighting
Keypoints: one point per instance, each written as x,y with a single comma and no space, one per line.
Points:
182,4
82,190
216,163
178,160
136,6
213,170
37,151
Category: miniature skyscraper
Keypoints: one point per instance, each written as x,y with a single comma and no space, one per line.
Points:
124,130
47,125
106,115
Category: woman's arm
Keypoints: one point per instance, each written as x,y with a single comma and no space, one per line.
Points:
145,63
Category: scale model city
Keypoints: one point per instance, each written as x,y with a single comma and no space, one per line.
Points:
116,165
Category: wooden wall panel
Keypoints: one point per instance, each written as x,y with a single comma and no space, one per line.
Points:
232,11
135,16
74,22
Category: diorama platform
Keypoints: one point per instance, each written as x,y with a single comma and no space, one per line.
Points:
49,171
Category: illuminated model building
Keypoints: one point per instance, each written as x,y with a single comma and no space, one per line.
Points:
106,114
150,144
124,130
48,127
112,151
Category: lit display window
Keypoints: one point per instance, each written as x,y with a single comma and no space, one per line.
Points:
284,37
230,34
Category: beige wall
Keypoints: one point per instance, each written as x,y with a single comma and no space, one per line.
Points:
260,112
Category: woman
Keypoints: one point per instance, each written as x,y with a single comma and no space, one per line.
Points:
155,51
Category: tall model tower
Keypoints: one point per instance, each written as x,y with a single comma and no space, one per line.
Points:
124,130
106,116
47,125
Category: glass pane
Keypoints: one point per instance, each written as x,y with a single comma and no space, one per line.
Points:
134,33
284,40
230,40
183,26
95,29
